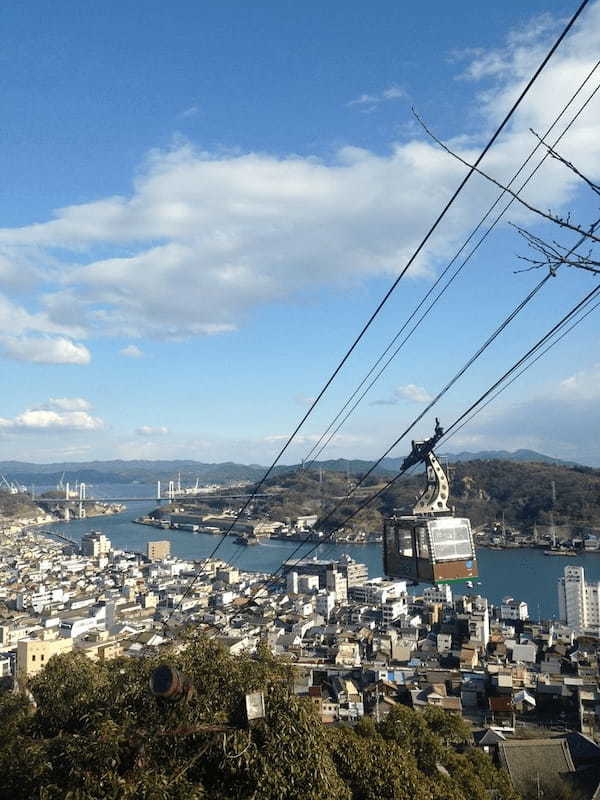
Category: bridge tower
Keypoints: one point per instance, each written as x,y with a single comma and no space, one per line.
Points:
171,492
81,499
158,490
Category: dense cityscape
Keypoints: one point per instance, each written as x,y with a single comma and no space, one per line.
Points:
299,442
359,646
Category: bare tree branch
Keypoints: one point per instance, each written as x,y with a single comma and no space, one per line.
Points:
556,155
563,222
553,254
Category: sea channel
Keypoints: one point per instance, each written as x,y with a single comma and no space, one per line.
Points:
524,574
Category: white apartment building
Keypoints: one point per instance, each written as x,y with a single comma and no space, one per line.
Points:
95,544
578,601
38,600
325,603
376,591
338,583
511,609
442,593
393,609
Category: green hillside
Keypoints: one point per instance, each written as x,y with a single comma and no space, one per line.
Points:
481,490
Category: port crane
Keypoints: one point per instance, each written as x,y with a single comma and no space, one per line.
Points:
430,545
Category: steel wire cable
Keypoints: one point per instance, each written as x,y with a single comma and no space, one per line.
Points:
473,358
515,367
392,288
582,316
518,375
309,459
239,556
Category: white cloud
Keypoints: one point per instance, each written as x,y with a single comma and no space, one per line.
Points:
204,238
131,351
45,350
416,394
149,430
410,392
68,404
57,414
369,102
563,421
192,111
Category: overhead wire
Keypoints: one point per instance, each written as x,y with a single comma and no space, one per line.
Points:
579,318
319,446
524,369
237,557
433,227
491,338
514,368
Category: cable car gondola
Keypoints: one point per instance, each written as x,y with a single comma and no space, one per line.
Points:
431,545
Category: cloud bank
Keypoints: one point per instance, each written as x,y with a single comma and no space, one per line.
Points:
205,238
64,413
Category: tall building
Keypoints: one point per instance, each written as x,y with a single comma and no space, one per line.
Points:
95,544
578,601
156,551
337,583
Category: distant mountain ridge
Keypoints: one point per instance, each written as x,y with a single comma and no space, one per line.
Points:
141,471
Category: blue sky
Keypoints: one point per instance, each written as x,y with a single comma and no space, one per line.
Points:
201,204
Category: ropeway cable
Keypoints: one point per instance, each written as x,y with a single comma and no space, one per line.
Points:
493,336
518,375
474,357
319,446
306,463
582,316
389,292
515,367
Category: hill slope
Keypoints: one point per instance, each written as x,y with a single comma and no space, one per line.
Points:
119,471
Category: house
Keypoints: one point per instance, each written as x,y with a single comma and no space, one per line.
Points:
532,763
488,739
501,710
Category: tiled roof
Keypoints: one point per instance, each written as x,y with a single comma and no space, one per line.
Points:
530,760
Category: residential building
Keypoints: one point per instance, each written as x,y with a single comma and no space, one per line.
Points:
95,544
393,609
377,591
352,570
157,551
337,583
34,654
511,609
579,601
442,593
325,603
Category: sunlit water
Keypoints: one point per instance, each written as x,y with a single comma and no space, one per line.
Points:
526,575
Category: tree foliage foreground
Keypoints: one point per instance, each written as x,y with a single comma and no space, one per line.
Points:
96,731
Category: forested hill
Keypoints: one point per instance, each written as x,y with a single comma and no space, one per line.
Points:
481,490
142,471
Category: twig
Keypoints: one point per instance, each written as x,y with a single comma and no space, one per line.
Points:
556,155
561,221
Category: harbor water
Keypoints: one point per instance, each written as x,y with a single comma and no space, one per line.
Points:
524,574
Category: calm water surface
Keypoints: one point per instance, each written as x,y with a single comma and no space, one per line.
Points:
526,575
